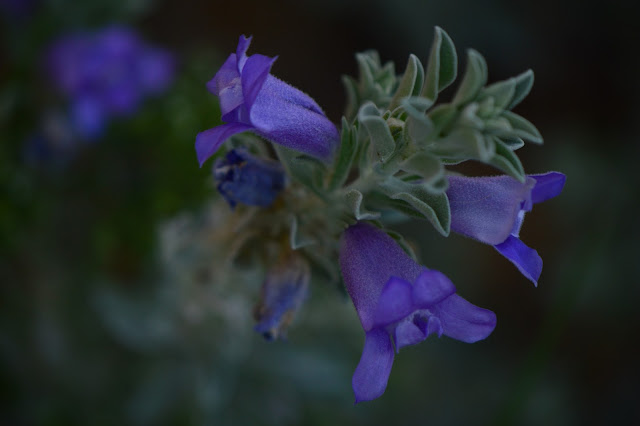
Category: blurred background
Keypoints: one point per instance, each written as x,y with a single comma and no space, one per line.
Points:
102,319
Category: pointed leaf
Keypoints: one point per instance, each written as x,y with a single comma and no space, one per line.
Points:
523,128
424,165
524,82
378,130
418,125
442,66
475,77
413,78
344,160
353,200
502,93
434,208
505,160
296,240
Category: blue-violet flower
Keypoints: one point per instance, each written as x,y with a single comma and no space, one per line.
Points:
246,179
400,300
106,74
284,290
491,210
251,99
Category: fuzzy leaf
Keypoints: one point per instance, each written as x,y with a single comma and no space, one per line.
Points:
418,125
523,128
442,116
502,93
428,167
442,67
505,160
524,82
432,207
410,83
296,239
378,130
301,168
463,144
353,200
475,77
344,160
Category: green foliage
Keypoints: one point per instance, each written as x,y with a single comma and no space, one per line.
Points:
401,141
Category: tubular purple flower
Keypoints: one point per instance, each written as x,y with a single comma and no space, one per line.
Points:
105,74
283,292
399,301
491,210
253,100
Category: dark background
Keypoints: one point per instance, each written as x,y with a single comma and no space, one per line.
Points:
79,262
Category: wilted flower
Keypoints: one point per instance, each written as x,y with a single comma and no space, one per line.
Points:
283,291
243,178
106,74
491,210
399,301
251,99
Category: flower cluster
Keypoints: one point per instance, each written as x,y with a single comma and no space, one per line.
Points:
106,74
337,190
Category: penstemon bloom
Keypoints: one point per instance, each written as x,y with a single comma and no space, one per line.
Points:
253,100
246,179
398,300
491,210
390,164
106,74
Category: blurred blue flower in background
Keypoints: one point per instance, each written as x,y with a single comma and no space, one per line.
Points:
106,74
283,292
378,276
246,179
491,210
251,99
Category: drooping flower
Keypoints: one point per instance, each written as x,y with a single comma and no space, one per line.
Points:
243,178
491,210
253,100
399,302
283,292
106,74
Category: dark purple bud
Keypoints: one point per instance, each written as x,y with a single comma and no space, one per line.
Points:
246,179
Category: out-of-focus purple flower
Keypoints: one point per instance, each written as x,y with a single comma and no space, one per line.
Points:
283,292
107,74
243,178
251,99
491,210
401,302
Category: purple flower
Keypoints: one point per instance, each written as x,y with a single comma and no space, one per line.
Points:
401,302
251,99
243,178
106,74
283,292
491,210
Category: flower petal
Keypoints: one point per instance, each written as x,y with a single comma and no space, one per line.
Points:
293,125
241,51
208,142
486,208
372,373
430,288
254,74
526,259
394,303
548,185
226,86
368,258
464,321
407,333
